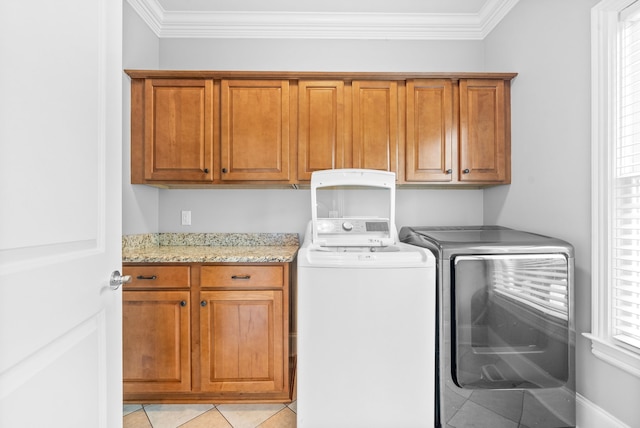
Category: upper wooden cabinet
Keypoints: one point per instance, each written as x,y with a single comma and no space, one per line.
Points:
458,132
485,149
430,130
347,125
375,125
173,119
321,126
255,143
194,128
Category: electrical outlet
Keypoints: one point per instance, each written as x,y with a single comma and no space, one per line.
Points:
186,218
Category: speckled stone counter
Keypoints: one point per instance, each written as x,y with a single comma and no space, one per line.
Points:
210,248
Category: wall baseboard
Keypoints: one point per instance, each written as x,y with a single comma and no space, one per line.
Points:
589,415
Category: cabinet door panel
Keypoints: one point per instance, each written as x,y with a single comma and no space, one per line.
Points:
178,130
156,341
242,341
255,130
429,130
321,139
483,131
375,125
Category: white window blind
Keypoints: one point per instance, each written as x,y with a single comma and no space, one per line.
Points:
625,224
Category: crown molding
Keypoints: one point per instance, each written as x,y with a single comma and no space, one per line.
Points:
322,25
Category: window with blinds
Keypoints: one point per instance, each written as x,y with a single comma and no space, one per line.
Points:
625,191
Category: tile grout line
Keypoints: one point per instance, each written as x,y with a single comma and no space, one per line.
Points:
147,415
215,406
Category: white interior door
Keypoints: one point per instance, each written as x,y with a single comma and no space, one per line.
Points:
60,213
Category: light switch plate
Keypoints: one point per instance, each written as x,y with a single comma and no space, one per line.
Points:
186,218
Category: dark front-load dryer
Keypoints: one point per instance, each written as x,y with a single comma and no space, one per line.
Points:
505,327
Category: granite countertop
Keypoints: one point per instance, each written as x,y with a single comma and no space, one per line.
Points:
210,248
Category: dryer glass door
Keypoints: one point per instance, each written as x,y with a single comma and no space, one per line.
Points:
510,321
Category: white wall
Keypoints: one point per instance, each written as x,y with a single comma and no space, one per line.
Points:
278,210
321,55
141,50
548,43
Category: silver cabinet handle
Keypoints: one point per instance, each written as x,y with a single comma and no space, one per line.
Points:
117,280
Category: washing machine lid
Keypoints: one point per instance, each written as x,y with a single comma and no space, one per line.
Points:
353,208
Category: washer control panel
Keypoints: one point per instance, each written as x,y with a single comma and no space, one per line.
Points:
353,226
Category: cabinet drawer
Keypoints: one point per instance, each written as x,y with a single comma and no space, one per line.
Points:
243,276
158,276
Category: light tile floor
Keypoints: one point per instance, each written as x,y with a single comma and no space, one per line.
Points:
467,408
210,415
468,412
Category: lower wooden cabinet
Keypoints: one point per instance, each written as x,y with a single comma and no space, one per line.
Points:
207,333
241,341
156,341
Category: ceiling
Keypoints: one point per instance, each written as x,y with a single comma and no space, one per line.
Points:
323,19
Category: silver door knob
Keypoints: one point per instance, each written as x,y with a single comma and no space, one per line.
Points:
117,280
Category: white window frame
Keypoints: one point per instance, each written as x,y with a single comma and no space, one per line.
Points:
604,68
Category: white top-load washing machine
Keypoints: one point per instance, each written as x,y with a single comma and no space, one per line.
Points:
366,310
